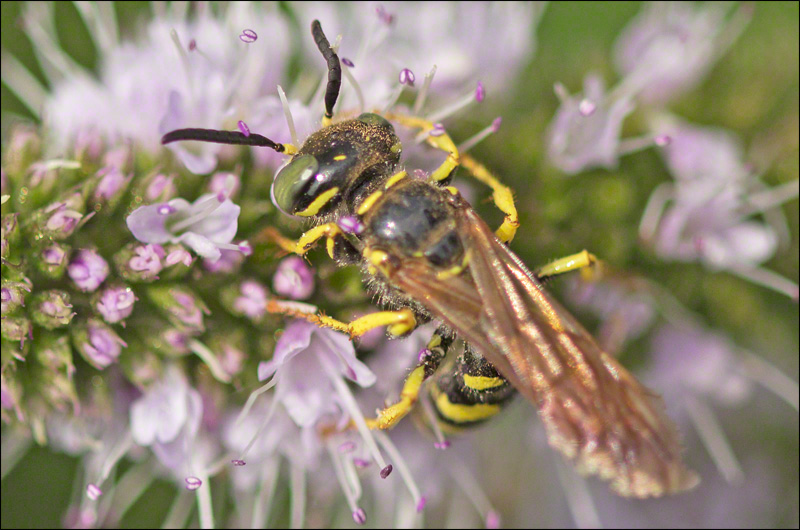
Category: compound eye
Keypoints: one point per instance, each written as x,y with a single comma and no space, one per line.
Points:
374,119
292,182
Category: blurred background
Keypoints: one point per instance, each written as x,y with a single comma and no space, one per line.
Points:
752,91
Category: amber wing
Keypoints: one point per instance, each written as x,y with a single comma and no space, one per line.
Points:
594,411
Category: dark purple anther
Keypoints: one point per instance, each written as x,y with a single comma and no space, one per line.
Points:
360,462
444,444
438,129
407,77
384,16
192,483
93,492
192,45
385,472
359,516
480,92
423,354
421,504
347,62
238,463
662,140
496,124
244,128
248,36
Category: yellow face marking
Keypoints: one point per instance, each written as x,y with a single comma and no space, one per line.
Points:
480,382
340,157
319,202
394,179
368,202
460,413
455,271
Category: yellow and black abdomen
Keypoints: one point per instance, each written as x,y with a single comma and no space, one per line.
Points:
471,393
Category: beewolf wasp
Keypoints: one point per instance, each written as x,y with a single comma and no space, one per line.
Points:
429,256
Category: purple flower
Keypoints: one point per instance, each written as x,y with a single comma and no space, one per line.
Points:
147,260
306,359
116,303
160,188
207,226
669,48
88,270
294,278
585,131
54,256
167,418
61,220
98,344
112,182
225,183
229,261
252,301
13,295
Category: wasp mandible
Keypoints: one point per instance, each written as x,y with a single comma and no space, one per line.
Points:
428,256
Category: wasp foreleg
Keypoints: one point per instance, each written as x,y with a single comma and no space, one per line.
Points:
584,261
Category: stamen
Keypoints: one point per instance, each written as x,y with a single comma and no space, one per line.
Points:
200,212
347,447
579,499
252,398
204,506
297,478
385,472
210,360
438,130
768,279
770,198
350,493
433,421
475,140
356,88
768,376
421,504
248,36
264,497
244,128
654,209
632,145
360,462
184,61
245,248
464,478
267,418
402,467
347,62
561,93
354,411
461,103
713,437
384,16
166,209
288,113
423,92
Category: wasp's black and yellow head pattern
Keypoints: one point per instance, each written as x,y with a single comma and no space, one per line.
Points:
337,163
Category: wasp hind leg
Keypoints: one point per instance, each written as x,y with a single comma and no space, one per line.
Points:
398,323
583,261
471,393
430,359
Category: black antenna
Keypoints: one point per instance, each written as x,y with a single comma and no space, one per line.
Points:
221,137
334,68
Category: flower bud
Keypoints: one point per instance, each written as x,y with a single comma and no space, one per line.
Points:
16,329
97,343
115,303
111,185
139,263
13,295
52,260
251,300
88,270
51,309
294,279
157,187
24,147
59,219
54,353
8,233
182,307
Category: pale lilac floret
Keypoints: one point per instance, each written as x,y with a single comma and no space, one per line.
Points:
252,300
147,259
88,270
116,303
305,359
112,181
670,47
579,140
294,279
167,417
206,226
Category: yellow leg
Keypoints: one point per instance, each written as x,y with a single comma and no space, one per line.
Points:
329,231
397,322
502,195
584,261
429,361
442,142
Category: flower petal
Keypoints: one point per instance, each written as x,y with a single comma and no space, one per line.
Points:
148,225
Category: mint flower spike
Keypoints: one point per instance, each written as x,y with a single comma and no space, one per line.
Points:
207,226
